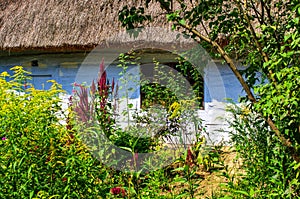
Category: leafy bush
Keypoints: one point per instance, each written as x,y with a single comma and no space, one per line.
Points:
39,157
270,171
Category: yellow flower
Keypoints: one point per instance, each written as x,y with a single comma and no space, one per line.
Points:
4,74
51,81
16,68
174,109
245,111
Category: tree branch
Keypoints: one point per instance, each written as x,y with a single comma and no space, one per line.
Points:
259,16
286,142
257,43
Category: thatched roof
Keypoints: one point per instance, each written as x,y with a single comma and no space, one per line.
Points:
62,25
59,24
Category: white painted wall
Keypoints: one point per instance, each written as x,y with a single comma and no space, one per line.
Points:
220,83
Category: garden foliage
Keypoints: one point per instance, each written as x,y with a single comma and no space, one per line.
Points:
144,177
42,156
39,156
271,172
264,36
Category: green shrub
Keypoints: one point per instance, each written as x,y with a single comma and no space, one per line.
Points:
270,171
39,157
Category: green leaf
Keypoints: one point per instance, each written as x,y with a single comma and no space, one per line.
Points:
126,148
182,22
180,180
296,20
242,192
287,37
31,194
296,166
179,169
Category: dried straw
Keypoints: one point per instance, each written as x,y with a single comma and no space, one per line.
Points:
61,23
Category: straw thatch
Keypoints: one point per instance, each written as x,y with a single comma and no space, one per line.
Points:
68,24
60,24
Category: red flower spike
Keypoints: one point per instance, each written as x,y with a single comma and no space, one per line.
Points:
102,86
84,108
189,158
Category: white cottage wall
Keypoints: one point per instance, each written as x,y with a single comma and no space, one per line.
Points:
219,84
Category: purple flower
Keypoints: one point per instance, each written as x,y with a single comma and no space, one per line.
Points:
4,138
